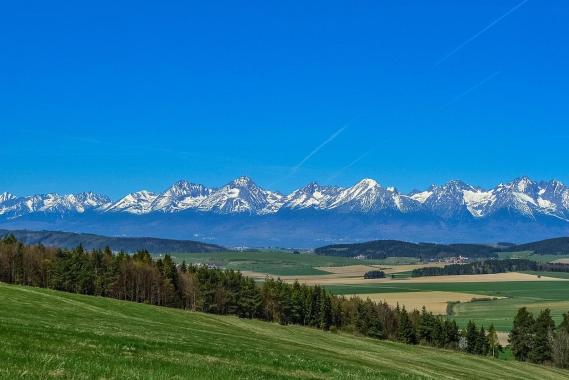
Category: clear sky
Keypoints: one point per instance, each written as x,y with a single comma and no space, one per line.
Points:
116,96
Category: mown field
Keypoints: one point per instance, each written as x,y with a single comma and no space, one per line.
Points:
49,334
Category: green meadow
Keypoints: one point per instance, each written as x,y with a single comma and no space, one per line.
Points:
536,295
530,255
48,334
278,263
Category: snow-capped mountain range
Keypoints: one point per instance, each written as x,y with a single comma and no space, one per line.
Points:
522,197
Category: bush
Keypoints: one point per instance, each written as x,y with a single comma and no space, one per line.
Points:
374,274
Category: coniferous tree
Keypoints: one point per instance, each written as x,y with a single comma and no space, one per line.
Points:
483,344
406,330
325,311
521,334
543,328
472,337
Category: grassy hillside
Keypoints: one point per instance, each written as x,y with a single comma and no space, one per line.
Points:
127,244
47,334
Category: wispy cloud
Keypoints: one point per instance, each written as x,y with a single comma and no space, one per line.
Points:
480,32
342,170
319,147
468,91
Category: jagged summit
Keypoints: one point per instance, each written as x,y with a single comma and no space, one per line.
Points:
452,200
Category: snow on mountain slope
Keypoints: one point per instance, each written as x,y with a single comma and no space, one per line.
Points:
455,199
139,202
4,197
242,195
183,195
312,196
369,196
420,196
52,203
448,200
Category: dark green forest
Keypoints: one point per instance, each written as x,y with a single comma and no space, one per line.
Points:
380,249
489,267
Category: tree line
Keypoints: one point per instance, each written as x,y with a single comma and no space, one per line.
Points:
144,279
538,340
374,274
489,267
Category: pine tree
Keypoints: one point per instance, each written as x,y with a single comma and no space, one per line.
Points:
483,344
325,311
426,326
406,330
521,334
542,334
472,337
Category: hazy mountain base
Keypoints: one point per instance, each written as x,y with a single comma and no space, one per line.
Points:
300,229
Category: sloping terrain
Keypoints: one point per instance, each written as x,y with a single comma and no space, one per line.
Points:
127,244
48,334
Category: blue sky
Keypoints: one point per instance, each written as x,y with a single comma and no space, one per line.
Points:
118,96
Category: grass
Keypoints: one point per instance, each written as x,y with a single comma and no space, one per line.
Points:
529,255
48,334
550,274
534,295
278,263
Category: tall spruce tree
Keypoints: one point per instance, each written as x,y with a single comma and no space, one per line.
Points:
521,334
406,331
472,337
543,328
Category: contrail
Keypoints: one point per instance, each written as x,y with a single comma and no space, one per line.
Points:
335,175
463,94
453,52
317,149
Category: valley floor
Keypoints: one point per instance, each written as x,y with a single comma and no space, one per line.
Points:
49,334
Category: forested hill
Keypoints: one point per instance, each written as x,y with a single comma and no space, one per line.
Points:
381,249
126,244
557,246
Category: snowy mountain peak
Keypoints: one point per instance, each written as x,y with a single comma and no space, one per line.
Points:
367,183
242,181
182,195
312,195
523,184
6,197
242,195
454,200
139,202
